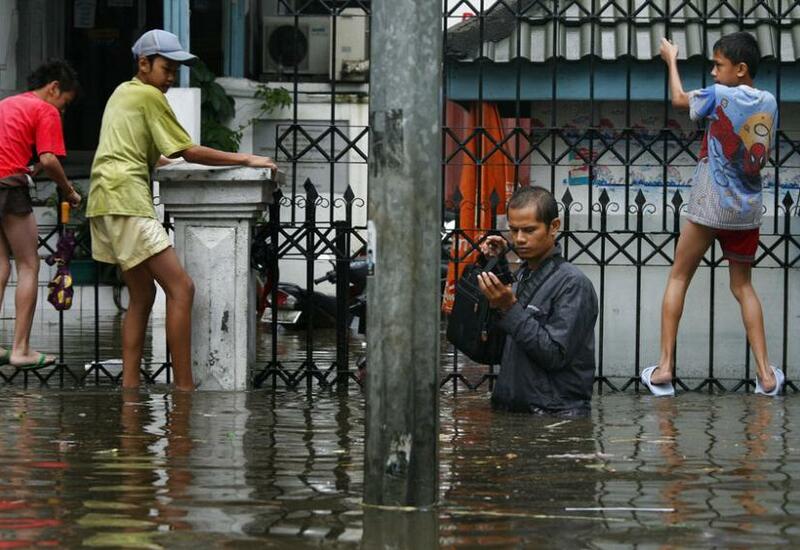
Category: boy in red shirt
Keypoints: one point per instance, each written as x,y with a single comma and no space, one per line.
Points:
30,125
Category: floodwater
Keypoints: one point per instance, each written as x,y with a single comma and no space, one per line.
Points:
96,468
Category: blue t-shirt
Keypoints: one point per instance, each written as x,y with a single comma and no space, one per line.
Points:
738,141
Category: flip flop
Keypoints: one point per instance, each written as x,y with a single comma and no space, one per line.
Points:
658,390
43,361
779,378
5,357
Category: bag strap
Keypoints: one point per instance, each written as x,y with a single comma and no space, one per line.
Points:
491,263
556,261
486,313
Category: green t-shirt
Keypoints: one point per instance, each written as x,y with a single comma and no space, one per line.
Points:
138,127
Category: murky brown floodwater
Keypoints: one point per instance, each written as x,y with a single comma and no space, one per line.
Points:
94,468
252,470
85,342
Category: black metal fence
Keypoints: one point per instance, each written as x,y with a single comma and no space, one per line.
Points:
87,362
607,224
583,114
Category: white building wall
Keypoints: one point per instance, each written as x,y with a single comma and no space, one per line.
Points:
314,113
647,171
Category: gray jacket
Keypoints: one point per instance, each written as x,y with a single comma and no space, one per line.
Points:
548,359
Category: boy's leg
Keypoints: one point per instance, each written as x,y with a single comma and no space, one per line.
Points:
168,272
5,274
142,292
753,318
5,265
693,243
23,238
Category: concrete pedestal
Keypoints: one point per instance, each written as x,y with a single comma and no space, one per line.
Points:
213,209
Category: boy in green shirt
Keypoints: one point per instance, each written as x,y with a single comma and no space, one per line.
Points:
139,128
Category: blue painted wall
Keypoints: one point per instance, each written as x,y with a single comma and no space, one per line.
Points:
176,21
500,80
234,33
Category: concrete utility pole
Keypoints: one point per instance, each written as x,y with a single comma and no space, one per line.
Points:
405,218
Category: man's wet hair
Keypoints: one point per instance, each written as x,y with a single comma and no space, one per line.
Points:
540,198
740,47
55,69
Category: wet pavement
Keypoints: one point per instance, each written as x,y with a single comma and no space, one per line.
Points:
255,470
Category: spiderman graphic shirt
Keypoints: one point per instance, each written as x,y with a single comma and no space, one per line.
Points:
726,185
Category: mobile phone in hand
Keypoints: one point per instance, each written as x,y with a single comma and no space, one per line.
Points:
505,277
503,273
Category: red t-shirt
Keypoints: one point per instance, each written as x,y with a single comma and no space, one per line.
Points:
28,125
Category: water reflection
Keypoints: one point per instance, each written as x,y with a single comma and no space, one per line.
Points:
510,477
142,481
254,470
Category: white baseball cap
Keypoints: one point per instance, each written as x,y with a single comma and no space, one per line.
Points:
163,43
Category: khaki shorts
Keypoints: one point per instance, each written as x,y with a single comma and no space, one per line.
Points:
127,240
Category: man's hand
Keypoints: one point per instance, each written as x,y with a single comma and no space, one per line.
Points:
254,161
36,169
500,296
494,245
668,51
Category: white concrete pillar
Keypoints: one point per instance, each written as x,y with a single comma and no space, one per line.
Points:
213,209
9,27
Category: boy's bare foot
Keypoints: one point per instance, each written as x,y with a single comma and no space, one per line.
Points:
662,375
767,379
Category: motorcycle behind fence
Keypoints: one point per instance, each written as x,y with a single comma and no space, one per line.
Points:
296,306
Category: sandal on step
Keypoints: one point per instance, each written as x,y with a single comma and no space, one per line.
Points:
779,378
658,390
43,361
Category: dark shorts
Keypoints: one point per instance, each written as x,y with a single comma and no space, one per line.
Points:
15,195
15,200
738,245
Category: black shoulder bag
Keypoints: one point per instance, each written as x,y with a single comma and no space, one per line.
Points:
472,326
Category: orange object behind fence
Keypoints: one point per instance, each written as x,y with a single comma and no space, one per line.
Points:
64,212
493,172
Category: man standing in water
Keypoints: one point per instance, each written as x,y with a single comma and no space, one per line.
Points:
548,315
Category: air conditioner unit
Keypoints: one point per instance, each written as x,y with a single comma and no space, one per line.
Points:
352,45
306,46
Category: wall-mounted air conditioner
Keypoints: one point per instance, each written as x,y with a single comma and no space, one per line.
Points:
306,43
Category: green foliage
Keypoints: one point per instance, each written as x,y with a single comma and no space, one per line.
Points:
217,108
271,99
